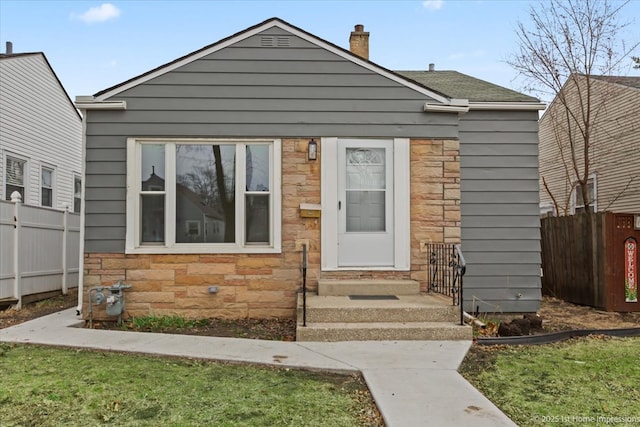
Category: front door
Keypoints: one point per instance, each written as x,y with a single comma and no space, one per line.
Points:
365,203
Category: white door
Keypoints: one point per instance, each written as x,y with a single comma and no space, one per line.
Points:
365,203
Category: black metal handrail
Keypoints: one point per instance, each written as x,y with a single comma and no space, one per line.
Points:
304,285
446,270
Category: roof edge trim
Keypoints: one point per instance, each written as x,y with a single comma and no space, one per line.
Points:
439,108
522,106
89,103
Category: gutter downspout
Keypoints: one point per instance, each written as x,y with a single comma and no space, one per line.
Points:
83,112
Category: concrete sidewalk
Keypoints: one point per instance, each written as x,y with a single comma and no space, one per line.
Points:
414,383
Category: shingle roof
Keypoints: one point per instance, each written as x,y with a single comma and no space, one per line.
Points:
457,85
623,80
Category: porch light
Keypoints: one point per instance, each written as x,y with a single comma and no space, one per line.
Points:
312,150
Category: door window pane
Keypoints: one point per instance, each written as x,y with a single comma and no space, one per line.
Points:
205,193
365,190
365,211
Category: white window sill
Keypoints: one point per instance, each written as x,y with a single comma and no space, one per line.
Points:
366,269
204,249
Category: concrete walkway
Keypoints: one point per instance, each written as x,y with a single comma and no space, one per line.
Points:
414,383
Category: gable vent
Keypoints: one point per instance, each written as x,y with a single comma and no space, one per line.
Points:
267,41
271,41
283,41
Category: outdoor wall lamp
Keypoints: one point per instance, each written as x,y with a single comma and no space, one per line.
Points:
312,150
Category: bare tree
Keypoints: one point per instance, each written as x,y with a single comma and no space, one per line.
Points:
563,54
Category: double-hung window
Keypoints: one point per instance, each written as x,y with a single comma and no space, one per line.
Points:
46,187
77,193
203,195
15,177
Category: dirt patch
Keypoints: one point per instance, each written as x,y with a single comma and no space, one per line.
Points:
11,317
263,329
557,315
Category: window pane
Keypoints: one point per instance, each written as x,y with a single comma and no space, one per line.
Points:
47,197
9,189
365,211
47,178
365,168
257,218
152,218
15,172
77,194
152,167
77,187
590,192
205,193
257,167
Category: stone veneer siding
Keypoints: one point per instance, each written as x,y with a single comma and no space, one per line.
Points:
266,285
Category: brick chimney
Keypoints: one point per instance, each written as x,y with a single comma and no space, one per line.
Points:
359,42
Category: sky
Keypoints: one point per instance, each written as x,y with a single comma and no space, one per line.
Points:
93,45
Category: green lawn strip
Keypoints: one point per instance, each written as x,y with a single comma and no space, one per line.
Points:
51,387
550,384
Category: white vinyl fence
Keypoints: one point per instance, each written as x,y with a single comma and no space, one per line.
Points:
39,250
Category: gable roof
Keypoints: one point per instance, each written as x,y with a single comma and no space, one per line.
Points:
630,81
270,23
6,57
457,85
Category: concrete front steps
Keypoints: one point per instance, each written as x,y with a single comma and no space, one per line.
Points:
333,316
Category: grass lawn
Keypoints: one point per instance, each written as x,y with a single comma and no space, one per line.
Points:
43,386
568,383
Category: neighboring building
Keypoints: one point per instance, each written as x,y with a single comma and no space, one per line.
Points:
403,159
40,134
614,183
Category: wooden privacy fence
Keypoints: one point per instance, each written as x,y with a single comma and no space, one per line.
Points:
596,267
39,251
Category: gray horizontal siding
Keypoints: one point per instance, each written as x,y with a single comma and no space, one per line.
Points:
234,118
500,210
219,93
481,185
497,244
246,90
470,233
261,130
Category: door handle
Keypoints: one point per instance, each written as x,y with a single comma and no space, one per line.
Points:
339,205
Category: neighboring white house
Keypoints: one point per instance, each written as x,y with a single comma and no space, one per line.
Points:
40,134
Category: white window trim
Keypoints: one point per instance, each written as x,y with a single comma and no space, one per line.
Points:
132,245
51,168
574,195
26,180
402,211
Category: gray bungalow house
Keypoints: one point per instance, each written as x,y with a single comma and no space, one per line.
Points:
286,140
